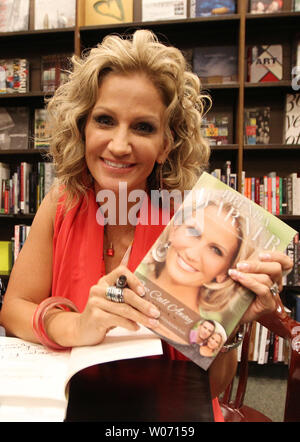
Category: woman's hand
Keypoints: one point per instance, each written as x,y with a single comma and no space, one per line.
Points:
101,314
259,276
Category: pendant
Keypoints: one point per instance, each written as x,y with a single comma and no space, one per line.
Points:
110,250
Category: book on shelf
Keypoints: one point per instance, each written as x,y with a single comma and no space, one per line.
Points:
264,63
216,64
292,119
297,5
14,76
257,125
41,130
14,15
265,6
153,10
199,8
210,210
34,381
215,128
54,71
4,176
94,13
14,128
55,14
5,257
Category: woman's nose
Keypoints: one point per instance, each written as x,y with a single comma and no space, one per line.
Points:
119,144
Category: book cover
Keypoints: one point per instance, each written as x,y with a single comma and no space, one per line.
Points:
265,6
264,63
107,12
296,5
185,273
257,125
54,71
14,127
205,8
54,14
14,15
34,381
216,64
153,10
292,119
215,128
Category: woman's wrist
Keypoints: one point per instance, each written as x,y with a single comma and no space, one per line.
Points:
48,312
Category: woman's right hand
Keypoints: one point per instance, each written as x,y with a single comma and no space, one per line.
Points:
101,314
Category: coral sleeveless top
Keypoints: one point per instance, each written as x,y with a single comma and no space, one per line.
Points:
78,254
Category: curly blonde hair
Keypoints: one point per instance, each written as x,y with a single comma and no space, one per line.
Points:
180,89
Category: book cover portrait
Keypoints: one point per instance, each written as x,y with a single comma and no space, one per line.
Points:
186,272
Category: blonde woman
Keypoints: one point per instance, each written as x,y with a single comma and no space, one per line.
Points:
130,113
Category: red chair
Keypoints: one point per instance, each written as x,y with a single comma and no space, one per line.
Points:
234,410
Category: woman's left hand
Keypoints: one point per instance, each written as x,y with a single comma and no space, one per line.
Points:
259,276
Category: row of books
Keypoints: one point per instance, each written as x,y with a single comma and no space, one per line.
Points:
278,195
23,189
14,73
9,250
16,15
15,128
293,278
266,347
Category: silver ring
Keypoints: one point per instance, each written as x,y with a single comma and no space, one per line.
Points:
114,294
274,289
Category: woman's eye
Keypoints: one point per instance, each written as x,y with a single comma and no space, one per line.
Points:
144,127
217,251
104,120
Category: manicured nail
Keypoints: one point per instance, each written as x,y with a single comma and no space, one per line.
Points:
153,322
233,272
154,312
141,290
264,256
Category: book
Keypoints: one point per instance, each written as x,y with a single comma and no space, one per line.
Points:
54,71
5,257
14,74
205,8
215,128
264,63
153,10
189,282
257,125
292,119
34,381
216,64
41,130
265,6
94,13
53,15
14,128
14,15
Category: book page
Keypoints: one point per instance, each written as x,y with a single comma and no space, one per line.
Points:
30,374
118,344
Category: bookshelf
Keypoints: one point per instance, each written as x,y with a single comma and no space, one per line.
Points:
241,29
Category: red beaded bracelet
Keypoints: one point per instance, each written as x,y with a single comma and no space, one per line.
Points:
39,316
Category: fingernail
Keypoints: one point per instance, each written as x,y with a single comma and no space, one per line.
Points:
242,265
264,256
233,272
141,290
154,312
153,322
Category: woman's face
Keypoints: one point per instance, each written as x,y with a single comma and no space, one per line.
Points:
196,257
125,132
214,341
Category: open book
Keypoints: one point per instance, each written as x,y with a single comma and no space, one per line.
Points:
34,380
186,273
